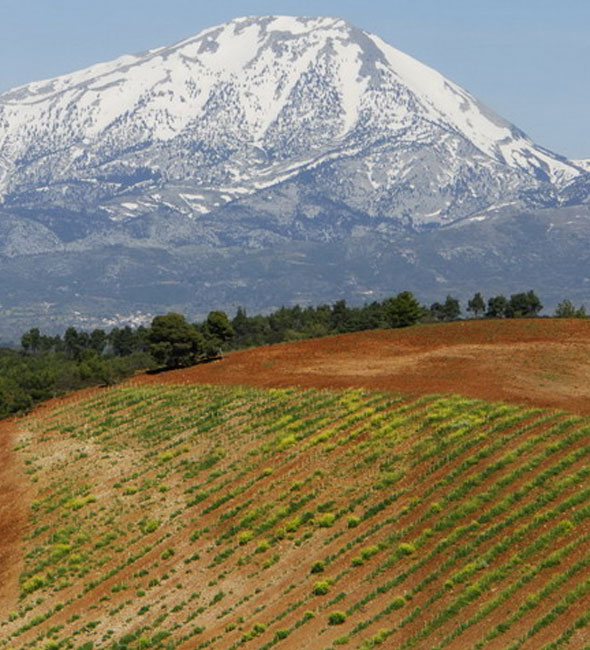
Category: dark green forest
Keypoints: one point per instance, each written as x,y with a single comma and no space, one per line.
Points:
47,366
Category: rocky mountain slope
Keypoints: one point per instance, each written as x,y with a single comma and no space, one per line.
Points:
259,135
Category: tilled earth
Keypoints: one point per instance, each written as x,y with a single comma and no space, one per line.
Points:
543,362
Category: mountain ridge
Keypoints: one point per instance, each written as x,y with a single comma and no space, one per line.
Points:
155,96
253,135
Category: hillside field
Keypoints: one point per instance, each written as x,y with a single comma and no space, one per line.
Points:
318,513
541,362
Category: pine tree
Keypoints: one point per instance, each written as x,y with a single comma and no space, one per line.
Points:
476,305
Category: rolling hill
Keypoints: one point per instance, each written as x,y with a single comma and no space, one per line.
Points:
541,362
175,514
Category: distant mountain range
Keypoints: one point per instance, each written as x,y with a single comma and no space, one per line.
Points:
266,161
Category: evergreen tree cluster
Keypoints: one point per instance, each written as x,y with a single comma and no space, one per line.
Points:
519,305
75,345
30,377
295,323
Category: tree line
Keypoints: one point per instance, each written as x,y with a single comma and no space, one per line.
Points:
46,366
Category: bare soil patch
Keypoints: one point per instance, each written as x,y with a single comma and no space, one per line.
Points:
16,497
543,362
13,514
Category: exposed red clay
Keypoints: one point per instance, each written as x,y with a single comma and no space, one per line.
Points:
13,515
543,362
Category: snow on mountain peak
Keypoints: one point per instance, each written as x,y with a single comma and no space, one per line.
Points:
251,102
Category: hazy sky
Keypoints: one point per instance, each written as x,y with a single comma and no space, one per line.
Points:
529,60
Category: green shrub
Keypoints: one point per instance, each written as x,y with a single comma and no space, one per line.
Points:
148,525
369,551
406,549
337,617
33,583
397,603
321,587
263,546
244,537
318,567
293,524
326,520
287,441
376,639
168,553
218,596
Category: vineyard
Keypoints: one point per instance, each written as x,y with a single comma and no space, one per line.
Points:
219,517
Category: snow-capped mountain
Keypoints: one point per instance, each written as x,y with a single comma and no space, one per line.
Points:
259,133
251,104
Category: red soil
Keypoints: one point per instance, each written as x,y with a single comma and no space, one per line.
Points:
13,515
530,361
15,502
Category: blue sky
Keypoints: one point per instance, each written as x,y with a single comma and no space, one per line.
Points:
529,60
